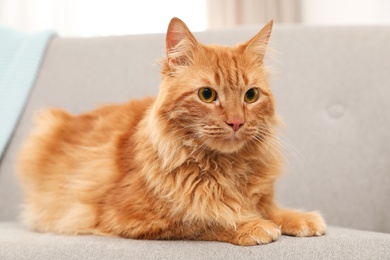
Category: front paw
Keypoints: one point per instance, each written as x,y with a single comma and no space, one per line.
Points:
256,233
302,224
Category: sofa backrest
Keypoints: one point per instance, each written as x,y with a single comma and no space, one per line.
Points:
331,86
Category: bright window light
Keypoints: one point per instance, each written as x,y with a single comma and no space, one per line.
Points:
75,18
137,17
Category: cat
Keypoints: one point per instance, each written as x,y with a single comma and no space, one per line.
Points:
198,162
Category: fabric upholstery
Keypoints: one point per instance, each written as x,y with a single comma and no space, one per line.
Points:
18,243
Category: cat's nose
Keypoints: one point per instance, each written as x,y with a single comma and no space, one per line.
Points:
235,123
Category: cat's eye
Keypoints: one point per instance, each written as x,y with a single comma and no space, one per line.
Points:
252,95
207,95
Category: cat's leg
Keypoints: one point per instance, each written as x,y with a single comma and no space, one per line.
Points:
255,232
292,222
301,224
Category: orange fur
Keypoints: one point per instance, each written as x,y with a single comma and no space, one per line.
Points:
170,167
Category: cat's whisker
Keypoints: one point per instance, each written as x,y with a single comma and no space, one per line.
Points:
268,142
289,149
203,146
295,153
273,141
185,143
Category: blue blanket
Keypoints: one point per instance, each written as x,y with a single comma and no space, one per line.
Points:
20,58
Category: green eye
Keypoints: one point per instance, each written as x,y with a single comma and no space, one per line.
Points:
252,95
207,95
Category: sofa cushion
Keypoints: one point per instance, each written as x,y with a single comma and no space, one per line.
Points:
339,243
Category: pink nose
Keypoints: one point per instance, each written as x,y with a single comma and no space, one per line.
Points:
235,123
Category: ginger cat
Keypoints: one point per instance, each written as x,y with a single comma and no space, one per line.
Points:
198,162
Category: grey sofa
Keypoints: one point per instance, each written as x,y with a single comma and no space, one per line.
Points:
332,87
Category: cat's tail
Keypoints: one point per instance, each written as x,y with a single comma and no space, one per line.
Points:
34,160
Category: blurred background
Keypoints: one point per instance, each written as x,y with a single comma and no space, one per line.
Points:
84,18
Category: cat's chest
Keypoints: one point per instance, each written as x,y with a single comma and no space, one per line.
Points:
225,182
237,180
213,191
210,189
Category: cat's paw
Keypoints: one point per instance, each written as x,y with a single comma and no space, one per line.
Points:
257,233
303,224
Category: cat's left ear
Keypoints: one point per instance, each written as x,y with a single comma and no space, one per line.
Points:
180,44
258,44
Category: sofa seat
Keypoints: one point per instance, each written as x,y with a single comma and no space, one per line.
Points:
17,242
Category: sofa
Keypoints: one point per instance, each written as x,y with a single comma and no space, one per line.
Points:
332,89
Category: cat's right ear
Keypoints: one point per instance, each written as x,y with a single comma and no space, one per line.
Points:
258,44
180,44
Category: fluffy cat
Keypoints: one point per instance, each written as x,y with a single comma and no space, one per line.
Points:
198,162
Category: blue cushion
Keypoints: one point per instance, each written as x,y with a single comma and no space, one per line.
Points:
20,57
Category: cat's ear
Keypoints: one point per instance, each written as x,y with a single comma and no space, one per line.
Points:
258,44
180,44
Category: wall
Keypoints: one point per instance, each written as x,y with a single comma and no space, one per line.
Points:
346,12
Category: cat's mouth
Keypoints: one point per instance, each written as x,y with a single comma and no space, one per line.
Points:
234,137
223,138
227,143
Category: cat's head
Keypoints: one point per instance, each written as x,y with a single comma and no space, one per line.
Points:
216,97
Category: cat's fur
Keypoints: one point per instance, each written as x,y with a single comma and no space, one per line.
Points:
173,167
